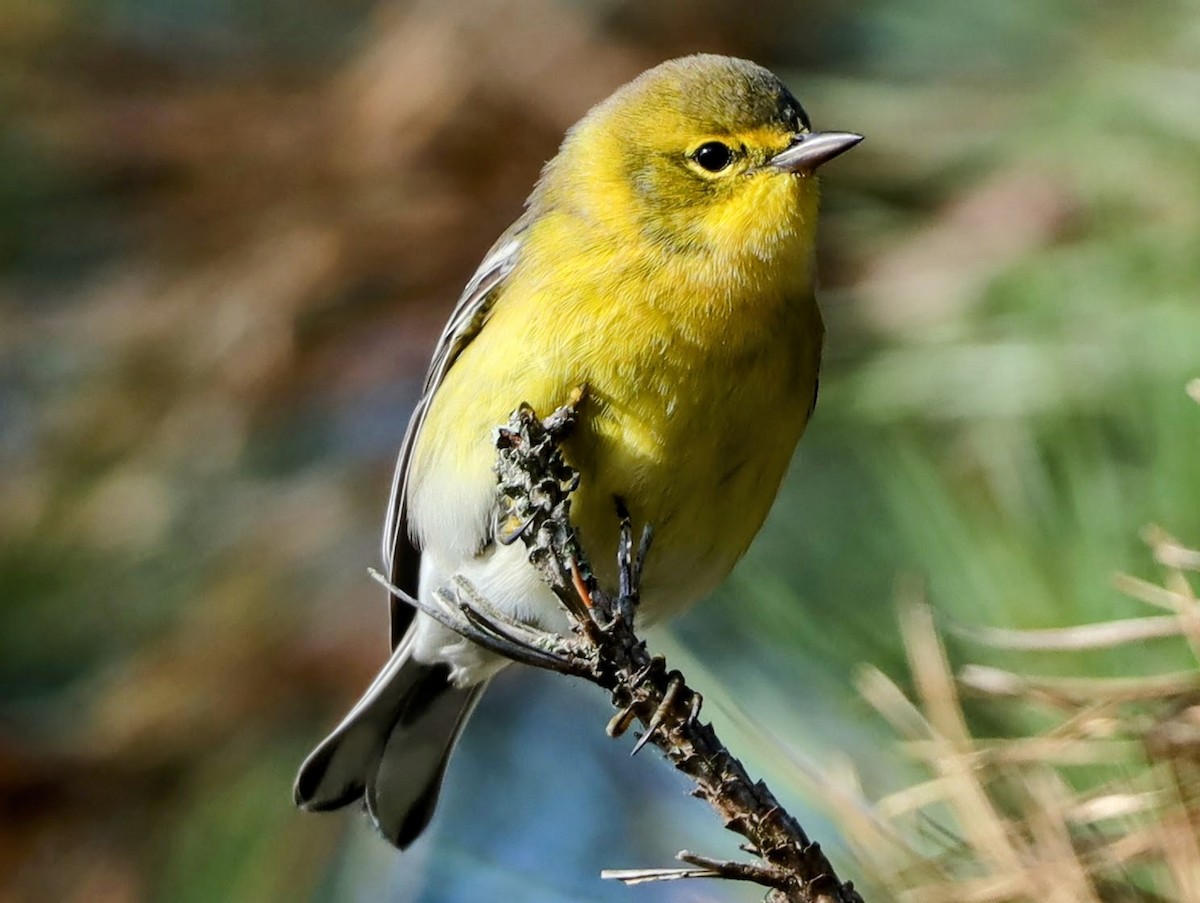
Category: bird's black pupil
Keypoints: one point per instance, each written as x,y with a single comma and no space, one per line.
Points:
713,156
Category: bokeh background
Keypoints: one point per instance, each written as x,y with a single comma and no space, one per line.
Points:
229,233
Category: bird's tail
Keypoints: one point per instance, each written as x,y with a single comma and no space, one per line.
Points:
392,748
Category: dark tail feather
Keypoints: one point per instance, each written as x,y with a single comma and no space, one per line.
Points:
403,789
393,748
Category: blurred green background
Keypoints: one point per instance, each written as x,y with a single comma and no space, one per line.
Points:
229,233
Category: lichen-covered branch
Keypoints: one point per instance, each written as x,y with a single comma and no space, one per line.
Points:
535,488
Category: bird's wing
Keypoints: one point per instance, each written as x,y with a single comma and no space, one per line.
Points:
401,558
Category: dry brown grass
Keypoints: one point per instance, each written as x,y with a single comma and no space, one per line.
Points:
1016,818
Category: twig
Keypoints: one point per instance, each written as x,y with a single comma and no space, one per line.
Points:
1081,690
1104,635
702,867
535,486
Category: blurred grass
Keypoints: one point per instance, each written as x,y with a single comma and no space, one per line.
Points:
228,236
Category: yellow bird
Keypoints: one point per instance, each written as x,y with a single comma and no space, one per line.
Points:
664,261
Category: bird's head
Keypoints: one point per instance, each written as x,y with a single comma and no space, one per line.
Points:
704,154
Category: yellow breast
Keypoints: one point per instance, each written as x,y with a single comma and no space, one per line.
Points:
700,375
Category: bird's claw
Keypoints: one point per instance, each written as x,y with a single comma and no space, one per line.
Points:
675,683
629,565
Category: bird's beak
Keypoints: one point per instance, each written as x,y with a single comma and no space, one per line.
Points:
810,150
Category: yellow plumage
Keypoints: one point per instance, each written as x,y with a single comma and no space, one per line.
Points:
664,262
700,367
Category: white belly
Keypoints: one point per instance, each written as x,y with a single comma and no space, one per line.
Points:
503,576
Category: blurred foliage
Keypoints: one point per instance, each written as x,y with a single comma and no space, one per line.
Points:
228,236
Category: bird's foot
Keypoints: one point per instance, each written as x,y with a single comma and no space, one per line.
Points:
675,683
466,611
629,565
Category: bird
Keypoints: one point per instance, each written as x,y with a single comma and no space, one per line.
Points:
665,261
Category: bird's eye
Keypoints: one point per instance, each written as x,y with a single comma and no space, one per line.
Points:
713,156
